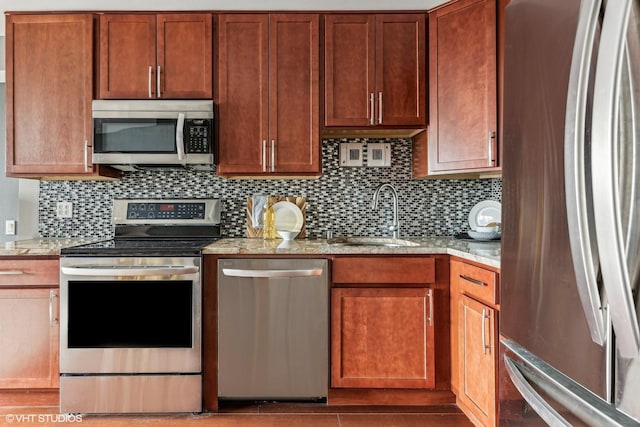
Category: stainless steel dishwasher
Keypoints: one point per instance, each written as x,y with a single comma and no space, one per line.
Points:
273,329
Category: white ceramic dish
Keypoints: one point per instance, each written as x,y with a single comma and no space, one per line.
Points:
288,216
478,235
484,213
288,235
487,229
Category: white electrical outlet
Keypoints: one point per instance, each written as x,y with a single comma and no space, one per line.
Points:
64,210
379,155
10,227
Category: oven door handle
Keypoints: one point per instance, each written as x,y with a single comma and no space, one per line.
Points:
136,270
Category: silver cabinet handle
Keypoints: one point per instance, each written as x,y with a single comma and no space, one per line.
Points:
485,315
52,317
371,108
158,83
605,164
11,273
379,107
86,155
490,151
239,272
582,237
430,296
472,280
149,80
542,408
264,155
273,155
180,137
136,270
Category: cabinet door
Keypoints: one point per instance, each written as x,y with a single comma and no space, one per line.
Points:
185,55
462,75
349,70
49,92
29,338
294,86
477,358
243,117
382,338
401,97
127,56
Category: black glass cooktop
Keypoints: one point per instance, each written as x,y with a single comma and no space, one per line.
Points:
141,247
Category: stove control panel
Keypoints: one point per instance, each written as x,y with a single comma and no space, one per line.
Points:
163,210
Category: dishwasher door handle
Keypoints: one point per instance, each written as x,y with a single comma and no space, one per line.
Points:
241,272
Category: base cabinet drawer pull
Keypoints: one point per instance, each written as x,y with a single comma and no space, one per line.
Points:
472,280
485,346
11,273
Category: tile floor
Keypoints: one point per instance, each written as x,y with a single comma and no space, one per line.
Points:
252,414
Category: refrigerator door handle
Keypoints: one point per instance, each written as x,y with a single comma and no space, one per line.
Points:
577,190
606,169
542,408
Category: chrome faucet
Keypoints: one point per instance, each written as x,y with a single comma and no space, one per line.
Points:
395,226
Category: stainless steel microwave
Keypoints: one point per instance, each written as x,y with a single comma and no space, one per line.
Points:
134,134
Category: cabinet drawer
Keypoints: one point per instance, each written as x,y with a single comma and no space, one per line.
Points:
479,282
29,272
384,270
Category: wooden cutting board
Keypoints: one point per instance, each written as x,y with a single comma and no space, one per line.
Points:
301,202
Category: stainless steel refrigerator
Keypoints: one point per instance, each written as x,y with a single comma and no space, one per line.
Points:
570,335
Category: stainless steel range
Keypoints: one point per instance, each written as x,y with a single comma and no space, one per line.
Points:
130,311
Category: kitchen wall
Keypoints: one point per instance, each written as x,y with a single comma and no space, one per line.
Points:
340,200
8,186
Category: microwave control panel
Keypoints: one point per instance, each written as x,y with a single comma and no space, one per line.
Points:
198,136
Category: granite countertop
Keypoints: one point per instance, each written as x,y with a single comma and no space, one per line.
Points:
487,253
45,246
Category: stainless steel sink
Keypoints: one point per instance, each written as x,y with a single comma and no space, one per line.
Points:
371,241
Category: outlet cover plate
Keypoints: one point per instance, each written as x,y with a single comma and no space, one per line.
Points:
64,209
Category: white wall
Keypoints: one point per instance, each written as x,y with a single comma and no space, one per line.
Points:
20,5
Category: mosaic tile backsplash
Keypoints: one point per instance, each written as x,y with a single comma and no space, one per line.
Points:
340,200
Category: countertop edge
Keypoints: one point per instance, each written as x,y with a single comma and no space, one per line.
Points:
484,253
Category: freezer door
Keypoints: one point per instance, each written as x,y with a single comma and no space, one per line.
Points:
541,306
621,259
533,393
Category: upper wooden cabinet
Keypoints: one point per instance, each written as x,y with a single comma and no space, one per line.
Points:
268,97
163,55
463,129
49,92
375,70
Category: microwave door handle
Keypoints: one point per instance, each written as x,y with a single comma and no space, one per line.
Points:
582,237
605,144
180,137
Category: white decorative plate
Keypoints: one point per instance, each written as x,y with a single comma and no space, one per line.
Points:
484,213
288,216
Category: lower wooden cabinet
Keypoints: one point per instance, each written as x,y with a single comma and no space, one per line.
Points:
382,338
29,326
29,338
477,358
474,338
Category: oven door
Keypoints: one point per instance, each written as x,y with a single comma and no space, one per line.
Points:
130,315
